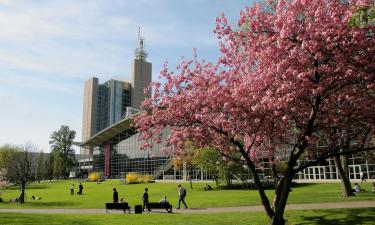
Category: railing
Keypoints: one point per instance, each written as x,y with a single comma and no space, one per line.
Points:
160,169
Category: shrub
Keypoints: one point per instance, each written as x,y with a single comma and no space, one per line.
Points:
95,176
136,178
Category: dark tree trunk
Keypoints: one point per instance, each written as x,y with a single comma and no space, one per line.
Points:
216,180
21,199
283,190
278,189
345,182
265,202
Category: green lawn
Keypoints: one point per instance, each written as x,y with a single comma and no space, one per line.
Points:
364,216
57,195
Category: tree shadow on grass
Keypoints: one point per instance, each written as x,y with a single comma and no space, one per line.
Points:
39,204
31,187
302,185
38,219
54,204
35,187
339,216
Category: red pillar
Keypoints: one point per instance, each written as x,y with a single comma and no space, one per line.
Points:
107,157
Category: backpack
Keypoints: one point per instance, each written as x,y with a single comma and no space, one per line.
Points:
184,193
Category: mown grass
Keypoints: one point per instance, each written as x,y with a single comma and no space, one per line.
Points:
57,195
363,216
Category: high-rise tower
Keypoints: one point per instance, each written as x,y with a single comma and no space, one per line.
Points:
105,104
141,74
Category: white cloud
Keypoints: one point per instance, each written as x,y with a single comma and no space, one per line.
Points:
48,48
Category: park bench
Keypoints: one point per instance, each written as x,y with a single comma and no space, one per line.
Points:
117,205
159,205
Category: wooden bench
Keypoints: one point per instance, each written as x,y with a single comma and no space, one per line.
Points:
159,205
117,205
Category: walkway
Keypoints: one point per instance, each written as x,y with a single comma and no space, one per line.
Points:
329,205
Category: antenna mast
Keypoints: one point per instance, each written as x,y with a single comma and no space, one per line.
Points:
140,52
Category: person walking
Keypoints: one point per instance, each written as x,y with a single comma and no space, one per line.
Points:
72,189
181,196
115,195
145,200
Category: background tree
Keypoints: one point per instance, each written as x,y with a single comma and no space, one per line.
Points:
48,166
18,167
40,167
5,152
218,166
208,160
274,92
57,165
365,16
61,141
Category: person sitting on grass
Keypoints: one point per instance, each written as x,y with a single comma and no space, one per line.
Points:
36,198
207,187
14,200
357,188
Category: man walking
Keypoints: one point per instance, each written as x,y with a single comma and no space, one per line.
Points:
145,199
181,196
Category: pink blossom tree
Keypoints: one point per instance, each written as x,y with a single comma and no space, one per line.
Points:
290,77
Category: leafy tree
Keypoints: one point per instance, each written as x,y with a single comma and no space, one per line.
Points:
208,159
287,80
5,152
365,16
57,165
40,168
61,141
211,161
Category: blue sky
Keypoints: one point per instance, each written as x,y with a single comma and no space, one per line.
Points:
49,48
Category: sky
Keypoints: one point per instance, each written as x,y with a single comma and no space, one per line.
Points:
48,49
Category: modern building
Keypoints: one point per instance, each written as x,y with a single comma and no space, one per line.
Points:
117,152
105,104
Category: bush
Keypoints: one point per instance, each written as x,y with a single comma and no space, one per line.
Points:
136,178
95,176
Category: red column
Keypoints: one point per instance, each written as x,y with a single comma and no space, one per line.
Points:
107,157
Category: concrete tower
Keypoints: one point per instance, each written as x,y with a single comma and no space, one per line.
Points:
90,105
141,74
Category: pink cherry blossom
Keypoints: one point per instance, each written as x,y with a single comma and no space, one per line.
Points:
292,76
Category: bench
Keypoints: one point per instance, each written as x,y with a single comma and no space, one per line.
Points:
117,205
159,205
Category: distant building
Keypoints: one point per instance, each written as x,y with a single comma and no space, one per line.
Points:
105,104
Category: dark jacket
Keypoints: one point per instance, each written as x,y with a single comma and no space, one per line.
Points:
145,197
115,196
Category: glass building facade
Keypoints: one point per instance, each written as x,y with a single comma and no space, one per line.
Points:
116,152
122,154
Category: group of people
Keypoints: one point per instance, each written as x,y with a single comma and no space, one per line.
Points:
357,188
80,189
145,197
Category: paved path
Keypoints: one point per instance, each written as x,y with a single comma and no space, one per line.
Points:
329,205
